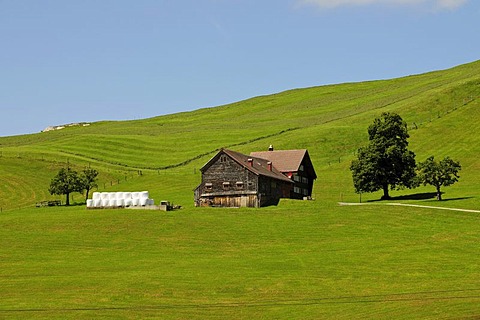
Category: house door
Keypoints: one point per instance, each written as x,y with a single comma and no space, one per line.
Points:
244,201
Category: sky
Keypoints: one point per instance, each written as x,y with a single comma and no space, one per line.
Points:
67,61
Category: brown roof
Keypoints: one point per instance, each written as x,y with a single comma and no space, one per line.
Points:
283,160
260,166
287,160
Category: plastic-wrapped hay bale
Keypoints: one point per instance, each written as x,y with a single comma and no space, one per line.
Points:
112,195
150,202
97,203
135,195
144,195
105,202
143,201
120,202
128,202
119,195
127,195
112,202
135,202
96,196
89,203
104,195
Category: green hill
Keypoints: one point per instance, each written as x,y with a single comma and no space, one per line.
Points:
330,121
298,260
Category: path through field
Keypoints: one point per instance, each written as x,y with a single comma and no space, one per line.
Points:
407,205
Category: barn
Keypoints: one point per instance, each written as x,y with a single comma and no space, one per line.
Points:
233,179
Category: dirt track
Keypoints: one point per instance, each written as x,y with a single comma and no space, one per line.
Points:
408,205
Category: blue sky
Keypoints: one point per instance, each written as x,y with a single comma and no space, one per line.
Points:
64,61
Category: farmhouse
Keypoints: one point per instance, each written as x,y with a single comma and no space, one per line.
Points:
233,179
294,164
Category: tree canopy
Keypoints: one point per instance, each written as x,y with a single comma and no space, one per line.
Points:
65,182
385,163
438,174
89,180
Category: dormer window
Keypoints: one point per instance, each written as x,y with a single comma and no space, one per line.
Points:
226,185
239,185
208,187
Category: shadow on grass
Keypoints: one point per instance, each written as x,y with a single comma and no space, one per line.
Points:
421,196
415,196
455,199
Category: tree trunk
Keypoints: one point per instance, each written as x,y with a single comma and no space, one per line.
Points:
86,194
68,199
439,194
385,196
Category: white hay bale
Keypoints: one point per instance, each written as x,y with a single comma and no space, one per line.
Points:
127,195
97,203
105,202
96,196
89,203
120,195
104,195
135,202
144,195
112,202
150,202
120,202
128,202
112,195
143,201
135,195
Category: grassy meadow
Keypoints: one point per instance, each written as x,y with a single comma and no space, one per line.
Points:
299,260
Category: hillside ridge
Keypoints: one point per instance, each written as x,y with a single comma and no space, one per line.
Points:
330,121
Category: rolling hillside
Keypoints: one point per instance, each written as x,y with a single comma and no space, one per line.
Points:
297,260
440,107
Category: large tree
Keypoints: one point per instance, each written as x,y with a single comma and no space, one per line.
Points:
385,163
89,180
65,182
438,174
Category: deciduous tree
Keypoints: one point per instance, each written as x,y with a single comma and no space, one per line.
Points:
89,180
65,182
385,163
438,174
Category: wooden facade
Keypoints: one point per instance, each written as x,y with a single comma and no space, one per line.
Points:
294,164
232,179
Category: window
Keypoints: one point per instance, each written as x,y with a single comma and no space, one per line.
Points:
304,180
208,187
301,168
297,190
296,178
226,185
305,192
239,185
223,159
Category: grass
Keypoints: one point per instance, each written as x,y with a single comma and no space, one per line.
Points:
304,260
300,260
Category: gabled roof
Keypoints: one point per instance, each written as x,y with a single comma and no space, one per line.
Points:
260,166
286,160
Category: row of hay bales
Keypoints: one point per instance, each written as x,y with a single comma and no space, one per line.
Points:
119,199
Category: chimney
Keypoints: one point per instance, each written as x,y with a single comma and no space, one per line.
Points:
269,165
250,162
270,148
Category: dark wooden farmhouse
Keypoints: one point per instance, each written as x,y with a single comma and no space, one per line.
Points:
233,179
294,164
